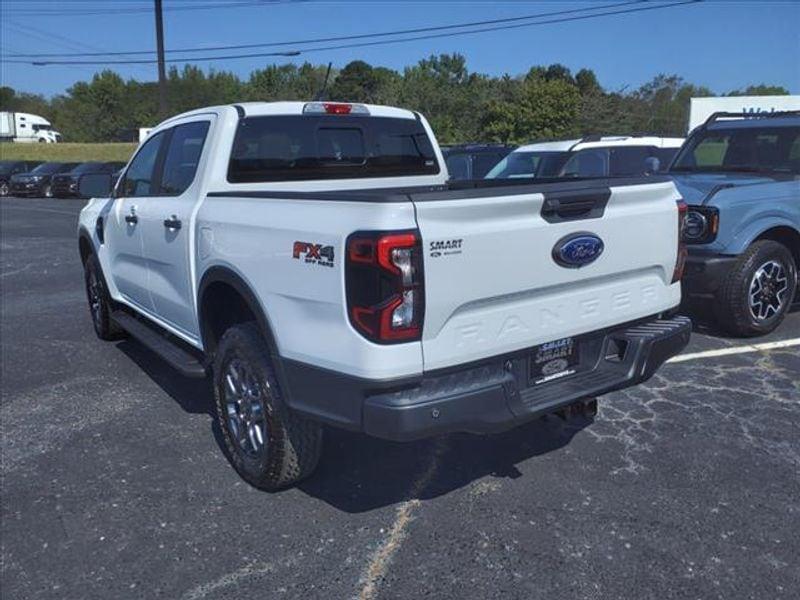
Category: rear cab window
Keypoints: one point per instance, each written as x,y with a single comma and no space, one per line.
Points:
316,147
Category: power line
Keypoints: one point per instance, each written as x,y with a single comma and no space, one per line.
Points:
28,30
346,37
81,12
356,45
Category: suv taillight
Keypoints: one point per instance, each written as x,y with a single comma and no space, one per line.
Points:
384,282
680,262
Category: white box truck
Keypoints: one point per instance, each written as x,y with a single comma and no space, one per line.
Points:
25,127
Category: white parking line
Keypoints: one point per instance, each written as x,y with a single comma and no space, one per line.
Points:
737,350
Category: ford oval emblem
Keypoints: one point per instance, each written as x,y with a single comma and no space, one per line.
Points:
577,249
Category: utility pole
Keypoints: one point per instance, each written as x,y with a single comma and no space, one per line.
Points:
162,71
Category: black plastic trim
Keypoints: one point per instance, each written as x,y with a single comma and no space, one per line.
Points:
454,190
488,395
222,274
705,272
575,205
187,362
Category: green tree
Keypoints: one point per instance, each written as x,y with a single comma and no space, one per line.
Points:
360,82
663,105
558,72
587,82
96,111
761,90
449,95
541,109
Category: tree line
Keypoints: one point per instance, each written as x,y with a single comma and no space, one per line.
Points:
547,102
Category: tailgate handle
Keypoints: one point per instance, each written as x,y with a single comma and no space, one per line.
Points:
572,206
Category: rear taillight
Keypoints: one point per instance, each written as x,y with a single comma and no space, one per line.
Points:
680,262
384,279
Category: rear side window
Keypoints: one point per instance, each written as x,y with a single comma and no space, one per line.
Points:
587,163
458,166
183,156
665,156
482,163
629,160
305,147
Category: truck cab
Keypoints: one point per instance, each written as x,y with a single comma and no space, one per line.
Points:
740,175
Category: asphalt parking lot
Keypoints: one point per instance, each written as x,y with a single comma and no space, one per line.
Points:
114,485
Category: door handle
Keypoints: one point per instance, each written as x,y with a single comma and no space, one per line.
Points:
173,223
131,219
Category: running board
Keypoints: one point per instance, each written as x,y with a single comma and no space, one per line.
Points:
181,360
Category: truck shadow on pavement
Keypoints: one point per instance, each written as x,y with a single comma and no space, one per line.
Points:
358,473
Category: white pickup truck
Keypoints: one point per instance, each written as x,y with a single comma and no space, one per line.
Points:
316,260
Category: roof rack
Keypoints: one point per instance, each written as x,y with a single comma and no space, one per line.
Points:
751,115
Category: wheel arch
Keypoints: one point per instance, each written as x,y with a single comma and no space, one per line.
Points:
85,245
786,235
222,287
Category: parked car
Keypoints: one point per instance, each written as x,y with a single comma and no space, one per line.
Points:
315,259
740,174
8,168
590,156
66,184
39,181
473,161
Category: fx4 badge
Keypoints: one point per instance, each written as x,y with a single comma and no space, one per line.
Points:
315,254
445,247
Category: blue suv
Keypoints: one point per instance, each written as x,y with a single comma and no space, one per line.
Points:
740,175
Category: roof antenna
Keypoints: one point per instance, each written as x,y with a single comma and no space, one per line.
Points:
320,95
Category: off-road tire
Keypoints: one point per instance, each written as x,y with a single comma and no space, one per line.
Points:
293,444
732,307
104,325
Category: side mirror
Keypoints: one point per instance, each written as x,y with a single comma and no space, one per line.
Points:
95,185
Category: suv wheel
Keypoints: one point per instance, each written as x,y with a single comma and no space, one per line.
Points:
48,191
757,293
99,301
4,189
267,444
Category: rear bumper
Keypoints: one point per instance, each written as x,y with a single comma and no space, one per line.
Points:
491,396
704,273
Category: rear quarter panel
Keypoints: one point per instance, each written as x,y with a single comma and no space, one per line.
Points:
304,302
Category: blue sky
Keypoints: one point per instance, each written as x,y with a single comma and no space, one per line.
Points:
723,45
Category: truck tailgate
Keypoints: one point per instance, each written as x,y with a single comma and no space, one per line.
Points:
492,284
